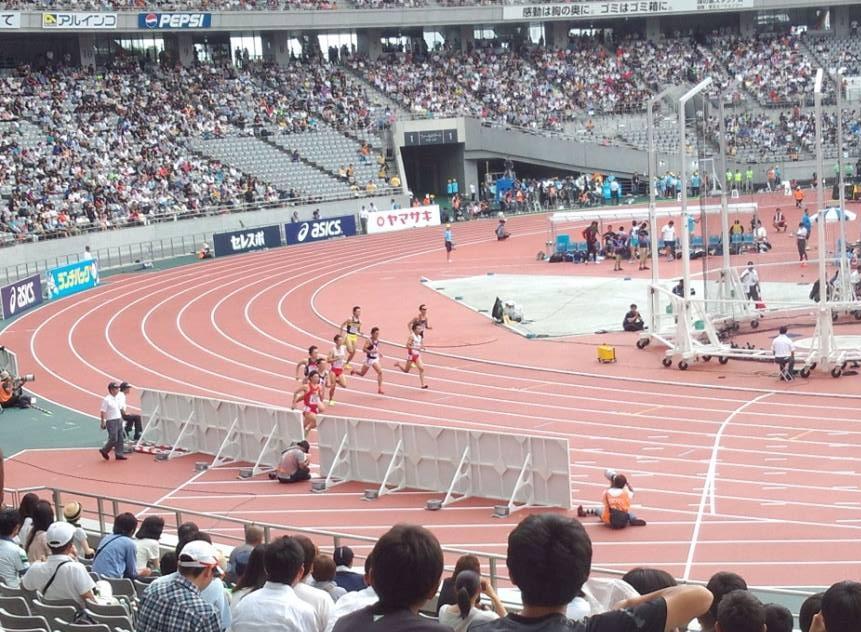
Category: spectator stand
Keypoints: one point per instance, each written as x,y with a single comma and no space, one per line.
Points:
231,432
521,470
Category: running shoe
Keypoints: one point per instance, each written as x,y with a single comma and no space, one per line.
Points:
331,402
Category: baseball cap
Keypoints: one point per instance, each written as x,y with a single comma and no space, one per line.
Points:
72,511
59,534
113,385
124,386
4,375
200,554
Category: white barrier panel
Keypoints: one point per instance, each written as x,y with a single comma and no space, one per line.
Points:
403,219
642,212
519,469
230,431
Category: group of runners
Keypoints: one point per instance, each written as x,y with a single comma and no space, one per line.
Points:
320,374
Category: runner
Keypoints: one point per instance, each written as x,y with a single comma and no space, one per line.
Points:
324,370
305,367
338,359
353,327
414,358
372,358
311,394
421,320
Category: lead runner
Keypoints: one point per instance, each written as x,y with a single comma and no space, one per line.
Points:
353,328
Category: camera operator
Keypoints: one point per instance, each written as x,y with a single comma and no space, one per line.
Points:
11,393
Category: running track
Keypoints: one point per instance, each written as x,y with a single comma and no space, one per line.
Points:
732,469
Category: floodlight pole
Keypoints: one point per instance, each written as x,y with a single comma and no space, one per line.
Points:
823,321
654,304
724,201
686,240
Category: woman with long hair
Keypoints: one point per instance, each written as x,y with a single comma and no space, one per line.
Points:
468,610
36,545
251,578
146,542
25,510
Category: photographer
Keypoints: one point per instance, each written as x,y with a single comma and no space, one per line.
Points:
11,393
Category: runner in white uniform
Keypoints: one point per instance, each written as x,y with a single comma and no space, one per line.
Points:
372,358
414,356
338,359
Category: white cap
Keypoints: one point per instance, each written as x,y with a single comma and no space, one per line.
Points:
59,534
201,554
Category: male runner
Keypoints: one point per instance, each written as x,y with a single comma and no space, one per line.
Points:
414,357
372,358
311,395
353,328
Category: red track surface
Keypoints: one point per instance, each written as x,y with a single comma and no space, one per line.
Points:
785,493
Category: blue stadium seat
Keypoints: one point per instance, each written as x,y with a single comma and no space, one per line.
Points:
563,243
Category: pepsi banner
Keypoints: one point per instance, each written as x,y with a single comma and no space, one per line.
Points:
247,240
318,230
21,295
174,20
72,278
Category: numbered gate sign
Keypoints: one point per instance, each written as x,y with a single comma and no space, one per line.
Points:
21,295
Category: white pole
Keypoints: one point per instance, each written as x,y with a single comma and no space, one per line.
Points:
724,211
844,272
824,315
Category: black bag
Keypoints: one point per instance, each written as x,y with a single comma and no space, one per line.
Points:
557,257
618,519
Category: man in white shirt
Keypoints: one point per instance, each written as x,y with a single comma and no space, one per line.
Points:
131,421
750,282
784,354
112,420
61,576
320,601
13,559
355,600
668,234
275,607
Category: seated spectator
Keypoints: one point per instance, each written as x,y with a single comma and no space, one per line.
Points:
13,559
61,576
405,573
36,544
645,580
275,607
320,601
616,509
778,618
147,542
501,233
841,608
167,564
633,320
810,607
253,537
549,558
26,509
252,576
354,600
468,610
447,594
72,513
323,574
740,611
345,577
116,555
720,584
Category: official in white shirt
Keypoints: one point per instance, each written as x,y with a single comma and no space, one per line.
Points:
275,607
112,421
784,354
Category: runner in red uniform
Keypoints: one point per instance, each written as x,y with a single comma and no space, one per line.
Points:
311,395
414,356
372,358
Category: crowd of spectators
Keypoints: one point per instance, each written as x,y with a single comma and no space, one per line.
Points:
290,585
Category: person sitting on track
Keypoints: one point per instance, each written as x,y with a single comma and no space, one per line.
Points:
338,359
616,509
307,366
414,356
295,464
633,320
779,221
353,328
311,395
501,233
372,358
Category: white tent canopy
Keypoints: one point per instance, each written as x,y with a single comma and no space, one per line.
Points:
832,214
642,212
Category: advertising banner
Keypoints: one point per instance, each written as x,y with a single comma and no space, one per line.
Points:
240,241
21,295
10,20
74,20
174,20
402,219
318,230
72,278
633,8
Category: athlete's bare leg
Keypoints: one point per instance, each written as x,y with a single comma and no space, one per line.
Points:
379,371
421,368
310,420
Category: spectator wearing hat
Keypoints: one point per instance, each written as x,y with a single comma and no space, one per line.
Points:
61,576
72,513
131,421
276,607
116,555
175,604
345,576
253,537
13,559
112,420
